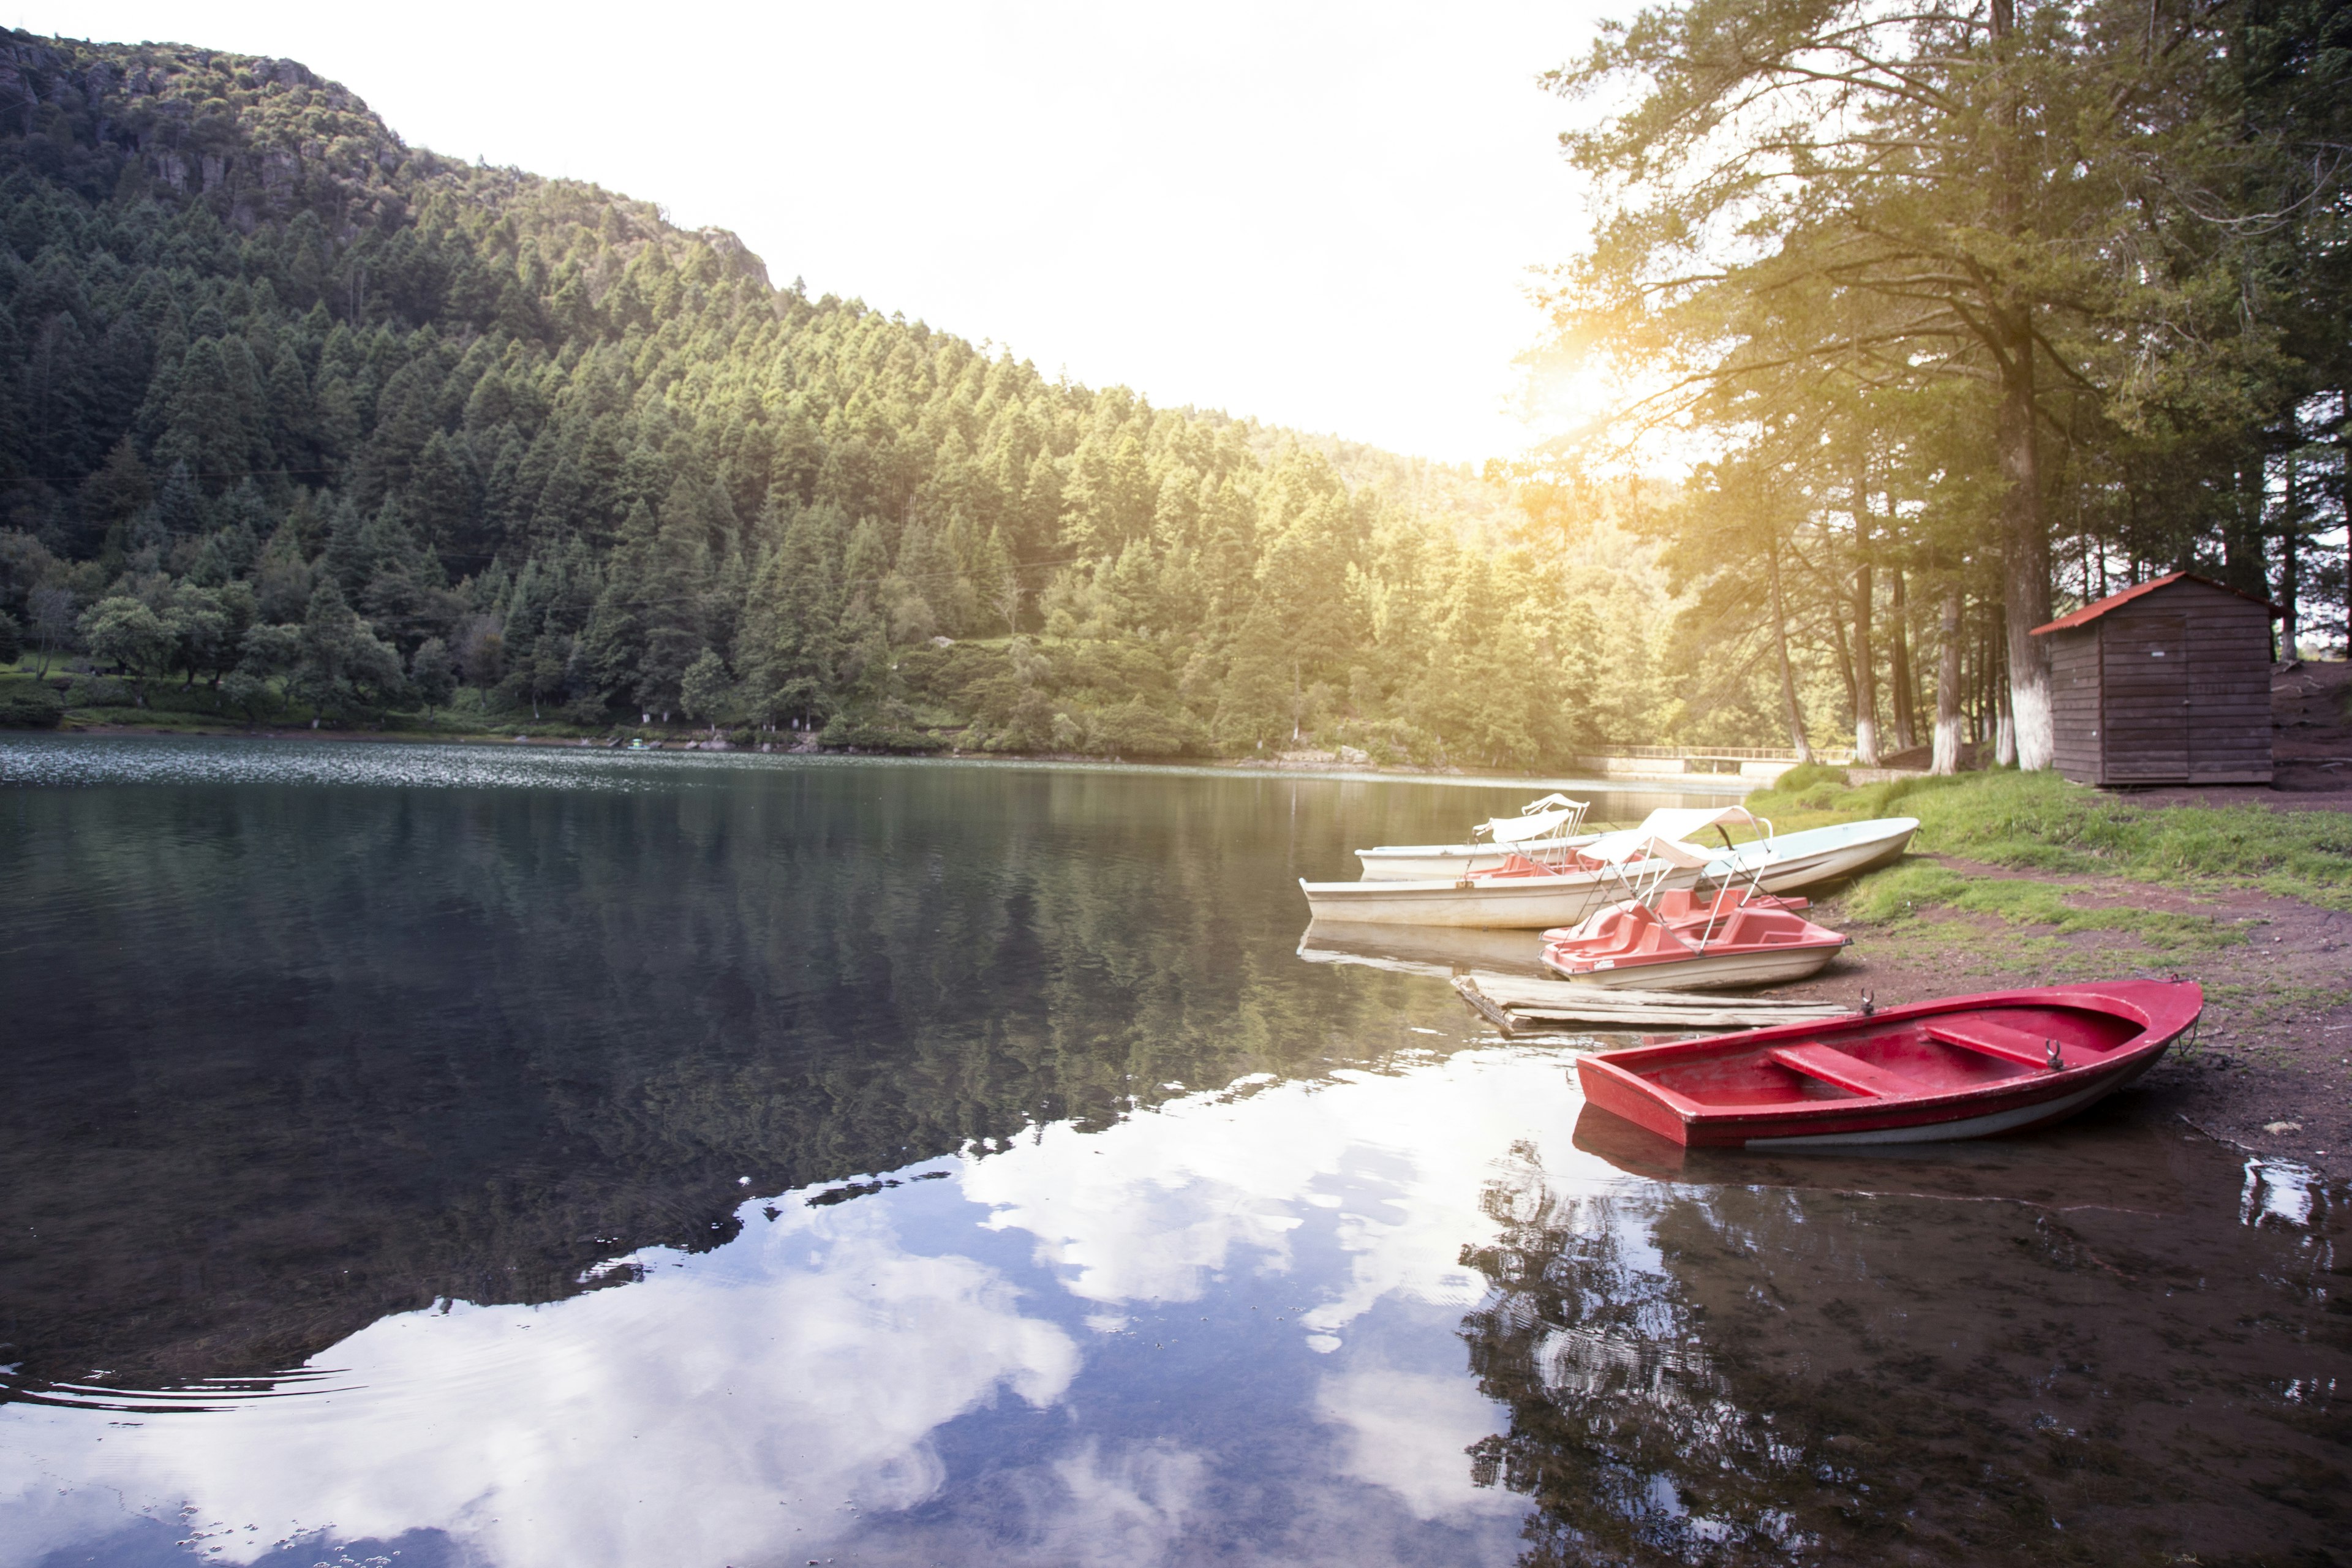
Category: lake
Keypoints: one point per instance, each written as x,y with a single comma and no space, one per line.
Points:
424,1155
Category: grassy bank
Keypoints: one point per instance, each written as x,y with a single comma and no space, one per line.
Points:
2038,822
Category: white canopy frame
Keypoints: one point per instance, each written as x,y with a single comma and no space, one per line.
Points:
1643,857
1544,829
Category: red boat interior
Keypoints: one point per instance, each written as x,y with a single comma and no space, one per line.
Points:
1680,907
1939,1055
1629,934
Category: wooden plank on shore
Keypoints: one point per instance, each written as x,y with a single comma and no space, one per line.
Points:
1485,1008
1514,991
1720,1016
1537,1002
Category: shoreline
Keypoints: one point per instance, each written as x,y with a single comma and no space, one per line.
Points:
2268,1074
1724,785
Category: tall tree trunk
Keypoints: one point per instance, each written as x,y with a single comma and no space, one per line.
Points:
2025,532
2004,721
1948,683
2245,565
1865,672
2290,563
2025,561
1979,685
1906,689
1844,650
1781,644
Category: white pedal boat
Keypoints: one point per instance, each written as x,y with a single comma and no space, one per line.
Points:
1691,941
1553,820
1601,870
1523,895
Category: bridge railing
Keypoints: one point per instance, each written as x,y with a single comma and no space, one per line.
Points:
1836,757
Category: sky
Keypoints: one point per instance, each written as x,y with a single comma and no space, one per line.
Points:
1323,216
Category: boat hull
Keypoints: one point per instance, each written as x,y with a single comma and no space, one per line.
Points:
1812,868
1968,1062
1992,1124
1515,903
1429,862
1442,952
1708,970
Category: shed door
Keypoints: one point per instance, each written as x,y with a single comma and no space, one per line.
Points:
2144,665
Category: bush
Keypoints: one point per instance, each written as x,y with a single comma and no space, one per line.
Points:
247,694
1805,776
876,732
1135,729
99,691
27,707
1390,742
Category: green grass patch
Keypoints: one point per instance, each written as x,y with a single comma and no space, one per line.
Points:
2041,822
1955,948
1900,893
174,719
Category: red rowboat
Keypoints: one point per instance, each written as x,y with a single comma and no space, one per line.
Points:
1967,1066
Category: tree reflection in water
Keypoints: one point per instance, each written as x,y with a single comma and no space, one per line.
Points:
283,1058
1948,1357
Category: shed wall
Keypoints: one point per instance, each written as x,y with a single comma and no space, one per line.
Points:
2074,702
2143,678
2230,692
2182,690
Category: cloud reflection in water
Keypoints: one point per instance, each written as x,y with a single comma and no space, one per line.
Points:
791,1389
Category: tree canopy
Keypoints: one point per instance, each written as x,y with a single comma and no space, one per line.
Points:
2024,299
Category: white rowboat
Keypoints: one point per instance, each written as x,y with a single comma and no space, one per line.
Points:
1513,903
1590,875
1429,862
1440,951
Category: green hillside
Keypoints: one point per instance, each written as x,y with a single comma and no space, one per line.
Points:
299,420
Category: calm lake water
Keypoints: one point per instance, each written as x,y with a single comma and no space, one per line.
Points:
441,1156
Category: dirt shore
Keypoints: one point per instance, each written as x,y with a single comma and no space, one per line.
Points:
2270,1069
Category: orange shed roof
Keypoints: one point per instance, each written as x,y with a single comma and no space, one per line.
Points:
2092,611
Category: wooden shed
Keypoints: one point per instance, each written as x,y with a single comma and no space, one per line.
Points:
2167,682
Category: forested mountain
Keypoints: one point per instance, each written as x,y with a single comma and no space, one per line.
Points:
301,415
2044,301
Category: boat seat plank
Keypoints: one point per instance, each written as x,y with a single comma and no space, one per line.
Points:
1992,1040
1833,1066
